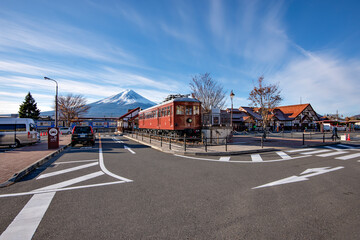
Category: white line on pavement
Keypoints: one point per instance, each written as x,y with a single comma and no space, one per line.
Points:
316,152
73,181
67,170
346,146
95,160
331,154
224,159
129,149
256,158
349,156
300,150
283,155
26,222
335,148
60,189
104,169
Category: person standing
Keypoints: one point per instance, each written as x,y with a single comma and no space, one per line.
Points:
334,134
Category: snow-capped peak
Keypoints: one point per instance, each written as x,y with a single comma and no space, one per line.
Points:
124,98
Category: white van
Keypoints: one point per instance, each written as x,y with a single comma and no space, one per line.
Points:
17,131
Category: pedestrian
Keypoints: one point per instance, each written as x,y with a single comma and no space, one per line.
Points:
334,134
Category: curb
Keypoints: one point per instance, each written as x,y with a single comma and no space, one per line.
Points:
204,153
17,176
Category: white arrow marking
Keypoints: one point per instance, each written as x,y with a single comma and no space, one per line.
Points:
129,149
310,173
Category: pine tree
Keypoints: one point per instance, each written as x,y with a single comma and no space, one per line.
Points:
28,108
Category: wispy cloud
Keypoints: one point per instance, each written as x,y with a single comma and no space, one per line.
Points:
326,81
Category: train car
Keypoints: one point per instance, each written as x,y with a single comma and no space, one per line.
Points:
176,117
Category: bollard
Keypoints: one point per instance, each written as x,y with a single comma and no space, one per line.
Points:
225,144
161,141
150,138
323,137
262,141
184,143
142,137
170,143
205,144
303,139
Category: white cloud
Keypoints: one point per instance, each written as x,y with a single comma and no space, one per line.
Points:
327,82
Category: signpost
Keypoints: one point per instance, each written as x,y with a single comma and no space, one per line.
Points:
53,138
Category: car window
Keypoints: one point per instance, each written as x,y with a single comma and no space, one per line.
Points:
82,129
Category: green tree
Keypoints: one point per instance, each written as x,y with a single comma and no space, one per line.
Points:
28,109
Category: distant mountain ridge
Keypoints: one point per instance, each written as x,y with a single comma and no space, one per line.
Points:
116,105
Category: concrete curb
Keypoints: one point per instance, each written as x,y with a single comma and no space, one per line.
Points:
203,153
29,169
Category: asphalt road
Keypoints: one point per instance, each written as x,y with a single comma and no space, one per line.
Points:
123,190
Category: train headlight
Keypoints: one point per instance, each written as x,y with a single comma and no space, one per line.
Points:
189,120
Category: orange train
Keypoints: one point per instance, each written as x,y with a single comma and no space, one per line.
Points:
176,117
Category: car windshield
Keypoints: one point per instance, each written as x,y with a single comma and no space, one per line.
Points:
82,129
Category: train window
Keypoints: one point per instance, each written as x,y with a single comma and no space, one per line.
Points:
168,111
189,110
179,110
196,110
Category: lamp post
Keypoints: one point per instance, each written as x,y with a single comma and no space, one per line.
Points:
231,118
56,100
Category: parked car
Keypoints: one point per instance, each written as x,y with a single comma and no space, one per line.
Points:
65,130
17,131
83,135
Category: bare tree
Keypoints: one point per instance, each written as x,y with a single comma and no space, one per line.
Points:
72,106
266,98
208,91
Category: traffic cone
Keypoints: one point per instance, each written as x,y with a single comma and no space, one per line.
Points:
348,138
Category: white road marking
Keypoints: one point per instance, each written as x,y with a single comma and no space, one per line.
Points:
215,160
300,150
256,158
60,189
346,146
283,155
67,170
316,152
347,157
129,149
26,222
72,181
331,154
224,159
335,148
103,168
309,173
95,160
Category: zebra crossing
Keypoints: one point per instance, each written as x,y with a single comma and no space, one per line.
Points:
339,152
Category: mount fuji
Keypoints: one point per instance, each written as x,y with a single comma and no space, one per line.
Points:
117,105
114,106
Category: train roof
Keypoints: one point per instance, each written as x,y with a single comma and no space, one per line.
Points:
182,99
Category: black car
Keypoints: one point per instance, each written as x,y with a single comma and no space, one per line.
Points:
83,135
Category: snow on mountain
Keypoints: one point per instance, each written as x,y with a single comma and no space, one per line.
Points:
124,98
115,106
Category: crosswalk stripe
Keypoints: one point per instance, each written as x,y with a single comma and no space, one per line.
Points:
283,155
335,148
349,156
345,146
300,150
67,170
224,159
256,158
316,152
80,161
331,154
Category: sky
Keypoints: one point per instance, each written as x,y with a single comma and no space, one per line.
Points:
95,48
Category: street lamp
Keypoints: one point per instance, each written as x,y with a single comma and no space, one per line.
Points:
231,97
56,101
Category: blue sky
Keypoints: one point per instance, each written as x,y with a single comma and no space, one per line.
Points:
99,48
